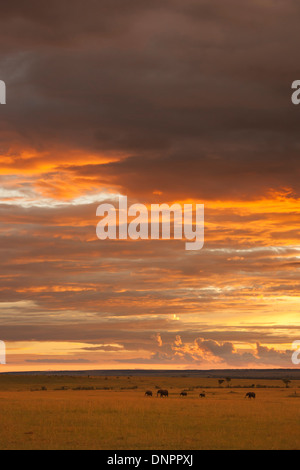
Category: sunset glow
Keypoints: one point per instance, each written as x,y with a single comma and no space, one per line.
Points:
141,106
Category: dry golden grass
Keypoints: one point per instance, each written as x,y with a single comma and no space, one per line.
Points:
123,418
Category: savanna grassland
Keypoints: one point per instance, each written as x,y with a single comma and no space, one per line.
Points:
64,412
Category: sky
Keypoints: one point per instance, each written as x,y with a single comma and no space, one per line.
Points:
185,101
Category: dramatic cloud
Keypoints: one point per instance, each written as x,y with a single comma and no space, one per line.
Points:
164,101
205,353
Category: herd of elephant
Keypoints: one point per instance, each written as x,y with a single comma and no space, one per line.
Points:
164,393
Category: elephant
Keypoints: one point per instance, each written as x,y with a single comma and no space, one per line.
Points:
162,393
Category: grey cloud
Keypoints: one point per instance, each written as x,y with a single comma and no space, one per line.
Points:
197,96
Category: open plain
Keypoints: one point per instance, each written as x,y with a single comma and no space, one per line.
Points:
71,412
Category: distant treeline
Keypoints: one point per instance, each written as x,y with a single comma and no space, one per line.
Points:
251,374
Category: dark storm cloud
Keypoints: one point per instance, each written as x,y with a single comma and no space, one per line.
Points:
195,94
